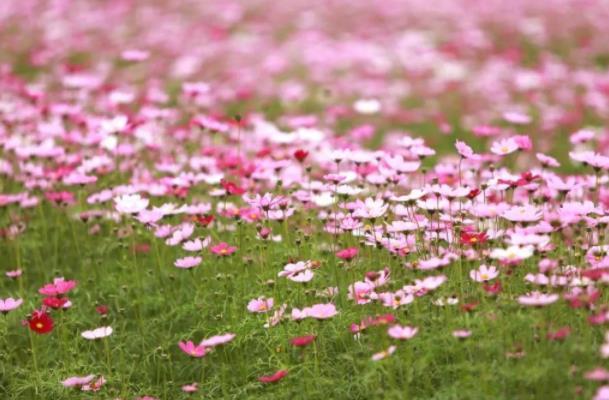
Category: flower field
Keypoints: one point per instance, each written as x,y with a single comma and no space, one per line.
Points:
305,199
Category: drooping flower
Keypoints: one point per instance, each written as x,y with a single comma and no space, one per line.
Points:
384,354
302,341
97,333
193,350
217,340
538,299
276,377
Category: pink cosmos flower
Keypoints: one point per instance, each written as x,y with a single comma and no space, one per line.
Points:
59,287
402,332
522,214
361,292
484,273
187,262
193,350
300,271
504,147
395,299
223,249
9,304
260,305
347,254
465,151
321,311
538,299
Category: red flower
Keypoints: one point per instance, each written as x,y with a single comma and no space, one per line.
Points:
303,341
469,307
494,288
102,309
473,238
473,193
40,322
300,155
204,220
55,302
277,376
232,188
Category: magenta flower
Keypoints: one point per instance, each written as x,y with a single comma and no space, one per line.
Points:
59,287
223,249
347,254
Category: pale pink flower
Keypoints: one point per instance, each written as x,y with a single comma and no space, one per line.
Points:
538,299
402,332
260,305
504,147
384,354
9,304
97,333
130,203
217,340
484,273
187,262
462,333
77,381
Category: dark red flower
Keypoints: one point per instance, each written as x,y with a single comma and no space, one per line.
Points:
473,193
277,376
303,341
493,288
40,322
301,155
102,309
473,238
55,302
469,307
204,220
231,188
372,321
